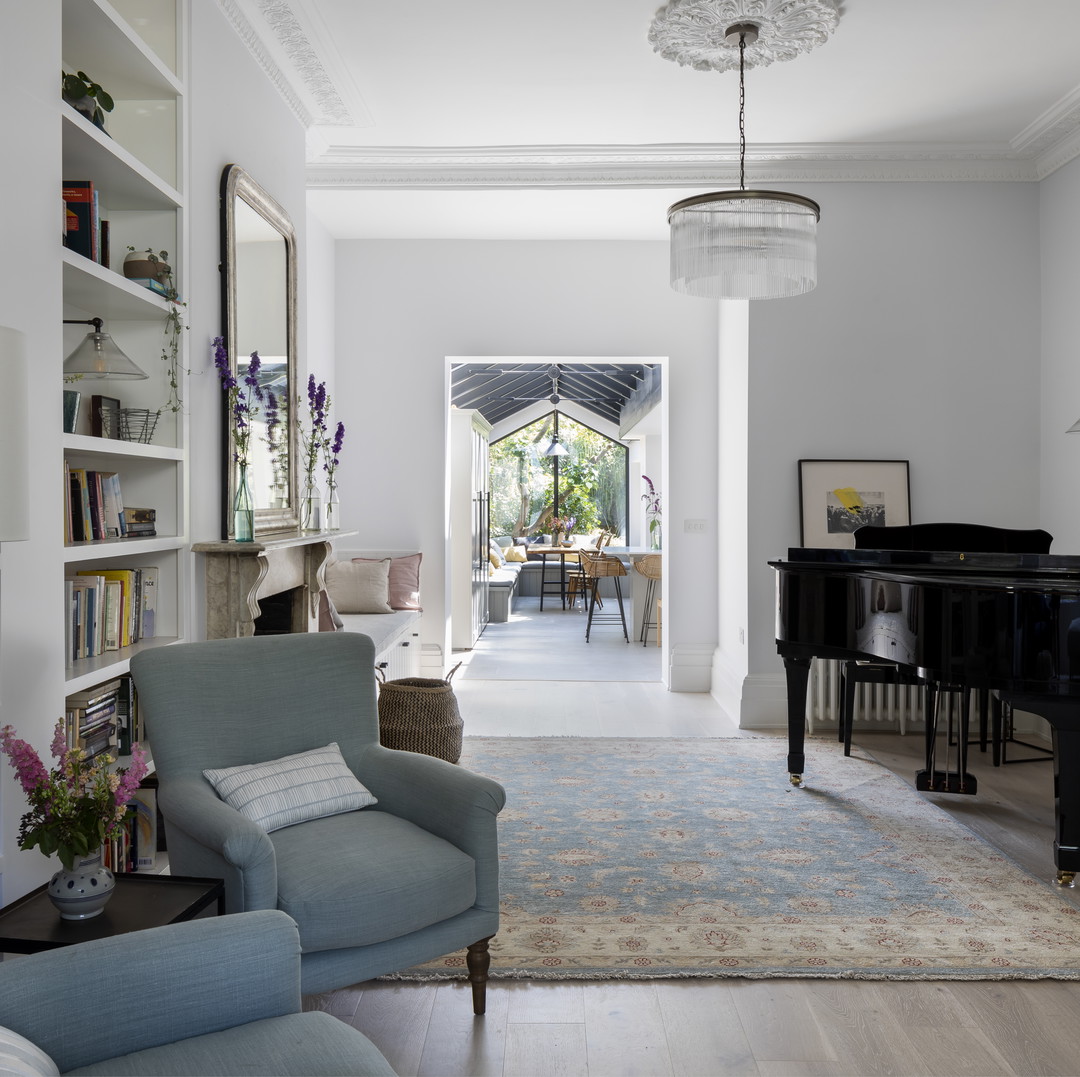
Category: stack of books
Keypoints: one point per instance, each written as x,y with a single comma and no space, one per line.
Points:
90,718
140,523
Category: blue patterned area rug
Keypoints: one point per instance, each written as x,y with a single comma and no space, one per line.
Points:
653,858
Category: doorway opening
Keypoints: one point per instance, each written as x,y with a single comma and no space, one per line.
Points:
572,446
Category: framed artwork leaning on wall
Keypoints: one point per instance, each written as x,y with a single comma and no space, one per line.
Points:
837,496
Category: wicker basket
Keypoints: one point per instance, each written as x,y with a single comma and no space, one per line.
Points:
418,714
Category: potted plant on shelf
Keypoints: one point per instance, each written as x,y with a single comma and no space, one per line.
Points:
151,268
86,97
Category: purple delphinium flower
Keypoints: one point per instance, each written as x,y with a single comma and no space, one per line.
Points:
314,440
243,397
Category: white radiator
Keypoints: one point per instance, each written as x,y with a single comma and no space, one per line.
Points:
886,704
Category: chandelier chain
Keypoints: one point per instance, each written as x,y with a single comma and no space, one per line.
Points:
742,111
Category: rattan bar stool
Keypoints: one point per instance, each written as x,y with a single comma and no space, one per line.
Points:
596,567
651,566
577,583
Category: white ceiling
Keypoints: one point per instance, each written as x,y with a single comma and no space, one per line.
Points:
507,119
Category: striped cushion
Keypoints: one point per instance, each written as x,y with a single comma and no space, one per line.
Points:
291,789
18,1056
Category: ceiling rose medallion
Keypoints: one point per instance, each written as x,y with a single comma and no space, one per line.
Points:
694,33
742,244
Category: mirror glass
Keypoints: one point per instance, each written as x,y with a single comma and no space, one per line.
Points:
259,304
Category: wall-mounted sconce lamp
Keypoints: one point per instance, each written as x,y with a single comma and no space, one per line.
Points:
98,356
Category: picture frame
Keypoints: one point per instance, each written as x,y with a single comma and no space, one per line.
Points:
837,496
104,417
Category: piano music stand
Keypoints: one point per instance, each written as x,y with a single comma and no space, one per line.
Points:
952,538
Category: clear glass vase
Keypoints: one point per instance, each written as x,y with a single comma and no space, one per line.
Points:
243,508
311,515
332,516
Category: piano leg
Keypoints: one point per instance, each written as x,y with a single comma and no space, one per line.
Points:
1066,807
798,676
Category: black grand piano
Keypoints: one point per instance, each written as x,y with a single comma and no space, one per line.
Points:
987,619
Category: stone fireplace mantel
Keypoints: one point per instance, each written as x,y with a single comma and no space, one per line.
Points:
239,574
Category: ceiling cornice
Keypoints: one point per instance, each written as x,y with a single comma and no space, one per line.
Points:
282,44
345,167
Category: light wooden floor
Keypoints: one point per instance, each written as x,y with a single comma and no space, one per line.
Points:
766,1027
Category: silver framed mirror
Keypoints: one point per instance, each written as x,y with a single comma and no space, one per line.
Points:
258,303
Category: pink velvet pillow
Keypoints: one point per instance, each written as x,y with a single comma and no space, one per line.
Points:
404,581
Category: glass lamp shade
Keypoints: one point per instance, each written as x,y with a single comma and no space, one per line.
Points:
99,357
744,245
556,449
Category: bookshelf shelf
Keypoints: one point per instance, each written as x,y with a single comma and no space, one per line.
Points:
87,672
120,175
114,55
103,448
109,549
102,293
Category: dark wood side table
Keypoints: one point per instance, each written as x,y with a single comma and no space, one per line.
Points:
139,901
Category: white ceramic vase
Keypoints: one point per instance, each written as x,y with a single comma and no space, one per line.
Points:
83,891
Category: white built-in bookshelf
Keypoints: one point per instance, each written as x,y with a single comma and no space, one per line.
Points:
136,51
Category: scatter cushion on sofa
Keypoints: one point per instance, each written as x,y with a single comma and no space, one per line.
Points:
403,581
359,586
292,789
516,553
19,1056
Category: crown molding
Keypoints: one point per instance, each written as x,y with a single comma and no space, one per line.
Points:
344,167
282,47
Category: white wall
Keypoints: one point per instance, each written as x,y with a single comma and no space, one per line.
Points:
921,342
1059,240
31,585
406,305
237,117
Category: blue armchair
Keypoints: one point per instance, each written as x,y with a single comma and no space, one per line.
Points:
215,996
406,880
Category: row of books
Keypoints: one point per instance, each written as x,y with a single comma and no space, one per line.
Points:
137,846
84,230
108,609
94,508
103,718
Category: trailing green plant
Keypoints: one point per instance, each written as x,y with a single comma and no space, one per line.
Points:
78,87
170,355
174,328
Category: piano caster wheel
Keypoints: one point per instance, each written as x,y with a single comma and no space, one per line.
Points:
796,779
1065,878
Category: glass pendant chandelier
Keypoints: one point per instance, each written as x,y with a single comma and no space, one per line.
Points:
742,244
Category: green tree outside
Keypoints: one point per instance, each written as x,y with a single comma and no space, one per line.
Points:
592,480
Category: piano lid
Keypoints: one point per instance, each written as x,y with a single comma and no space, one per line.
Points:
991,564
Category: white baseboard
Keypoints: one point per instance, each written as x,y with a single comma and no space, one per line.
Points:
764,702
690,667
726,684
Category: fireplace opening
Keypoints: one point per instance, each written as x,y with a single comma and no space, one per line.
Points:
277,613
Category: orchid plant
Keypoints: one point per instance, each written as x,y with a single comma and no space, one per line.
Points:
76,806
244,398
